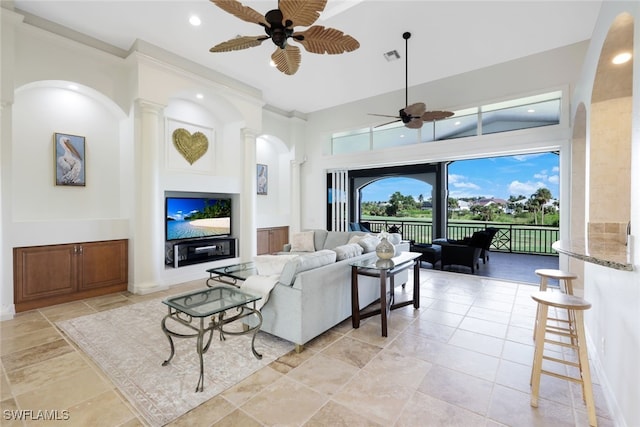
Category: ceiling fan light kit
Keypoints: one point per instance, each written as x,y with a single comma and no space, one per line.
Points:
414,115
279,26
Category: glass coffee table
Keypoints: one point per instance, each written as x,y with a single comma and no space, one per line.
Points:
231,274
205,311
384,269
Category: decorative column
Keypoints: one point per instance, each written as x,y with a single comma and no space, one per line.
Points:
147,242
248,229
9,20
294,223
7,309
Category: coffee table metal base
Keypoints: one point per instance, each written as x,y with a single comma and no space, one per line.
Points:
216,322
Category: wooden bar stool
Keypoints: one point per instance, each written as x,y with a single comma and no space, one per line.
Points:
565,279
576,306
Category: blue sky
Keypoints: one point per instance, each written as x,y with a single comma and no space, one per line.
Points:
498,177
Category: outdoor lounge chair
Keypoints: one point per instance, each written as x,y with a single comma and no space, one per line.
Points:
465,252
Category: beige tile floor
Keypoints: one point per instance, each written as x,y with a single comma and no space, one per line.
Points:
462,359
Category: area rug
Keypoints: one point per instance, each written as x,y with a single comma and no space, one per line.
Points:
129,345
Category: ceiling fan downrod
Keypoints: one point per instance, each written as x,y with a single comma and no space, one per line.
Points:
406,35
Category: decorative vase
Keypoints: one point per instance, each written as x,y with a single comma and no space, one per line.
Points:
385,249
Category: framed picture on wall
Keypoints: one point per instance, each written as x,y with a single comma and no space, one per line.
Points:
70,160
263,179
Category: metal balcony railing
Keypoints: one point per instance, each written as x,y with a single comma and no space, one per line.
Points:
515,238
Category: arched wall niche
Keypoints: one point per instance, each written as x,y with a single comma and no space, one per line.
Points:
609,203
578,188
43,108
274,208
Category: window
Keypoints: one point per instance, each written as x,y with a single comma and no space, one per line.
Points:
522,113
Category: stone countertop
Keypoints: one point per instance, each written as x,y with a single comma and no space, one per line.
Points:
608,253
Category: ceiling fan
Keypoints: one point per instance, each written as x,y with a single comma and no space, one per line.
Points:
278,25
414,115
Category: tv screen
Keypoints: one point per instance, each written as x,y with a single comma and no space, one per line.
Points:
190,217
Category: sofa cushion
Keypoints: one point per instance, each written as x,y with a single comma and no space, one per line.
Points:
335,239
367,241
268,265
319,237
306,262
349,250
303,242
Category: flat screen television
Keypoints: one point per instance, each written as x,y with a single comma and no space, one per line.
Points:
197,217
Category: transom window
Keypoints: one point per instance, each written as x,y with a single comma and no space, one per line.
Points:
522,113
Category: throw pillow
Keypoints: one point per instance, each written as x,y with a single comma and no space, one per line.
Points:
269,265
347,251
355,238
369,244
302,242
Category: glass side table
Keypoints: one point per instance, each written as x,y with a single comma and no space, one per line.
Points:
231,274
384,269
219,305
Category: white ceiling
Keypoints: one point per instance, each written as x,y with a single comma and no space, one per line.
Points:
448,37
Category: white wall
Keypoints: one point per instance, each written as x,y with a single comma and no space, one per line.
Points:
549,71
123,108
613,322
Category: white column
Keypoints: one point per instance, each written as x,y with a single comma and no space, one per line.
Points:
7,308
8,22
294,223
147,237
248,229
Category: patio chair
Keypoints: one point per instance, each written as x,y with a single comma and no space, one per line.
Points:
465,252
490,232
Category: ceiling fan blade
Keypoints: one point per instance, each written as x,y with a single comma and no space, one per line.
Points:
388,123
238,10
302,13
319,39
239,43
415,123
415,110
288,59
431,116
383,115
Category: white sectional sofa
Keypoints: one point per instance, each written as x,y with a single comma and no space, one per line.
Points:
313,292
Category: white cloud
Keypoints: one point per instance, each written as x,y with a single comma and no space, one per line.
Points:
525,157
525,188
455,178
460,181
554,179
555,169
470,185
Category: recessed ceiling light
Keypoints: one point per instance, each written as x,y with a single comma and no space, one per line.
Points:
194,20
457,123
621,58
199,95
73,87
531,110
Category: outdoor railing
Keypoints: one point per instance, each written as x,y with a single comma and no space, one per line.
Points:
517,238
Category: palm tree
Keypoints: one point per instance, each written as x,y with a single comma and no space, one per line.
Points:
542,195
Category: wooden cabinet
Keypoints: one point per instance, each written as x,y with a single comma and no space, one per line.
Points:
48,275
272,239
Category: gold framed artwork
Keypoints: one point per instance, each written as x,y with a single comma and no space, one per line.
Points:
262,173
70,160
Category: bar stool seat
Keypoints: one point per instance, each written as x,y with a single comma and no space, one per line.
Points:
576,306
565,279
